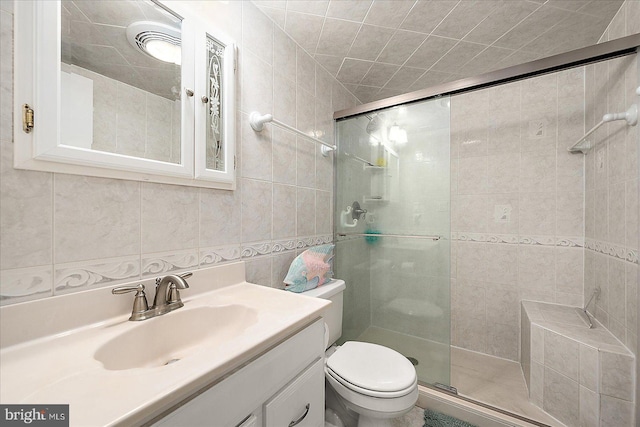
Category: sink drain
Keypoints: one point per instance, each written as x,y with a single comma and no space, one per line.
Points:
174,361
413,360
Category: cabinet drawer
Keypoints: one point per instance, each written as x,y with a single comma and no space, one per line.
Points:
301,403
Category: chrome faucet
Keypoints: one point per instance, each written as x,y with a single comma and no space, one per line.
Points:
167,296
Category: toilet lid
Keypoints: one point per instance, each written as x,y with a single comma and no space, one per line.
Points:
372,367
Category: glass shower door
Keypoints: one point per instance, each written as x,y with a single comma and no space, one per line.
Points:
393,232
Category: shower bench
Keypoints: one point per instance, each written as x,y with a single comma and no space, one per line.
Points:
578,375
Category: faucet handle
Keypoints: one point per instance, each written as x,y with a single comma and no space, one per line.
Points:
127,289
140,304
174,294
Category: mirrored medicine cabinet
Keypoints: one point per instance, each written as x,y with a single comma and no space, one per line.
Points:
124,89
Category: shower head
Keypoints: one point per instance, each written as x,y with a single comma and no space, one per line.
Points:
375,122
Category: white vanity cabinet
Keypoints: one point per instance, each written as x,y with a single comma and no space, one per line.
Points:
282,387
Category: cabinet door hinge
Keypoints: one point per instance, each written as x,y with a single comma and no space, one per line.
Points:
27,118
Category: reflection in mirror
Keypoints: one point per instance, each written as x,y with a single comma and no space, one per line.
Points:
120,78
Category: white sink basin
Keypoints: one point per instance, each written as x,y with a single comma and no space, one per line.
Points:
170,338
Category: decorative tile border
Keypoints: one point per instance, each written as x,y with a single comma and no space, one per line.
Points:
19,283
514,239
211,256
256,249
616,251
606,248
64,278
103,272
158,264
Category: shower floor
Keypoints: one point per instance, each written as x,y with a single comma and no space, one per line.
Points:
487,379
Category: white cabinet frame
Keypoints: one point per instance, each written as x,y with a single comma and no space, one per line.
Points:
37,83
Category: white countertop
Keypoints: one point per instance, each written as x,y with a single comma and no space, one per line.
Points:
61,369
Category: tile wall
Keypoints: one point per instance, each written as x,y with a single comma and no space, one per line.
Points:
64,233
611,202
583,377
517,206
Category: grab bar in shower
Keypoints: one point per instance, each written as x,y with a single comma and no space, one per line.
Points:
407,236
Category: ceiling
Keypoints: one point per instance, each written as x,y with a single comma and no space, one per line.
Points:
383,48
94,37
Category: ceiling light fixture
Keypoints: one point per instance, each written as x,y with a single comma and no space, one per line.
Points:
157,40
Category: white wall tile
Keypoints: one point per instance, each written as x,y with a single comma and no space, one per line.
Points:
169,217
615,412
561,397
284,151
256,151
561,354
589,408
589,368
257,205
26,216
536,268
257,32
616,375
6,75
259,271
95,218
537,213
257,84
306,163
569,270
220,215
284,211
306,212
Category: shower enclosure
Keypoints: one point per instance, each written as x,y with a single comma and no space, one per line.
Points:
393,231
531,222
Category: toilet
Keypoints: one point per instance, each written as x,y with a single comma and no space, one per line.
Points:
373,383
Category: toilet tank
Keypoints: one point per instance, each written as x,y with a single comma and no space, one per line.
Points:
334,292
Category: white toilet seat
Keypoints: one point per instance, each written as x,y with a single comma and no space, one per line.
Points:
372,369
368,392
373,380
375,407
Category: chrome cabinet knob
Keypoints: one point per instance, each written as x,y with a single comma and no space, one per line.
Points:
189,92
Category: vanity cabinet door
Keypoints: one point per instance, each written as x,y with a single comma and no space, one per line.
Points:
301,403
229,402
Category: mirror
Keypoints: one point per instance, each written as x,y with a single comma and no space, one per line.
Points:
125,89
120,78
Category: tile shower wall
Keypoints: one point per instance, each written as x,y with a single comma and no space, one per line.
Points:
517,206
611,211
63,233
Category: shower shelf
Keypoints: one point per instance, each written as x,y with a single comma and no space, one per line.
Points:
370,199
374,168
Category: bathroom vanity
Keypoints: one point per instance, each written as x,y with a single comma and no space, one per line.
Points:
236,354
